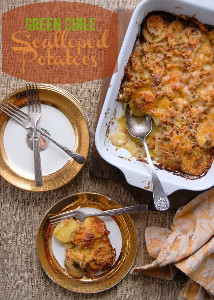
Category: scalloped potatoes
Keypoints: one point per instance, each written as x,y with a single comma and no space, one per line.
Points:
170,76
88,248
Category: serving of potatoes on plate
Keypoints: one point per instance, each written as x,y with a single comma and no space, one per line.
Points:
88,248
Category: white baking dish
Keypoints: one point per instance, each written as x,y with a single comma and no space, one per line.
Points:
137,173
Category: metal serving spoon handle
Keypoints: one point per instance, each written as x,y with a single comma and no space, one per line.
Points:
161,201
141,130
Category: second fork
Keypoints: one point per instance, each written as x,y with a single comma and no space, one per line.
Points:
34,108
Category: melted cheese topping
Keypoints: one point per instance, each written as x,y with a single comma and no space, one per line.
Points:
170,76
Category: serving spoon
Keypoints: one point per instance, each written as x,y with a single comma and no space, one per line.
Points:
140,131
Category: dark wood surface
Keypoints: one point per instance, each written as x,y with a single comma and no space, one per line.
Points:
100,168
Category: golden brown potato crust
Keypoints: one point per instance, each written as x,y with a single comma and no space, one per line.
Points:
89,250
170,75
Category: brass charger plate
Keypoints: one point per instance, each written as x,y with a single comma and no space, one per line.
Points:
103,281
72,109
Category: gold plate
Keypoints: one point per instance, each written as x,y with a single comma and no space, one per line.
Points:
72,109
103,281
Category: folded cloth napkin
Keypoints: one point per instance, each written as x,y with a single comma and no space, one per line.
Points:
188,246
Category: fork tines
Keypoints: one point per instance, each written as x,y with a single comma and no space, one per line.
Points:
13,111
32,97
56,219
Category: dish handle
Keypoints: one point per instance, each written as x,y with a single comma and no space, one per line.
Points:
143,181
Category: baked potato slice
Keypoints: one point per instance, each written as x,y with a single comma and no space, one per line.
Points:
64,230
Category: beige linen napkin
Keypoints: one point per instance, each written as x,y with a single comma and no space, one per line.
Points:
188,246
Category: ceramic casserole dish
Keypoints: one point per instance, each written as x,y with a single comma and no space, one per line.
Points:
137,172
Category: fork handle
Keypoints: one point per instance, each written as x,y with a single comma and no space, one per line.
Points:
122,211
77,157
37,160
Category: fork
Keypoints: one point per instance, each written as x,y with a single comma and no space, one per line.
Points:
80,215
34,109
23,119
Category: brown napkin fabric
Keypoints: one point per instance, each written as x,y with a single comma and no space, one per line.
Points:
188,246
